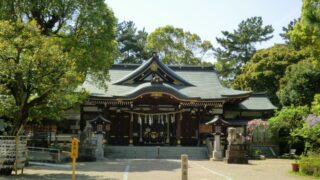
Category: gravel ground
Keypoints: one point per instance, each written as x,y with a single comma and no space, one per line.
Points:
142,169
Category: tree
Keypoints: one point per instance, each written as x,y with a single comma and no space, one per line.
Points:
237,47
310,133
131,44
315,108
300,83
306,33
285,35
176,46
86,28
285,122
290,117
37,78
265,69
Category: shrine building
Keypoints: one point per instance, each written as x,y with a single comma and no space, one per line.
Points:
158,104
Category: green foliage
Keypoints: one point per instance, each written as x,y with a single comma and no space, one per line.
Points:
265,69
289,117
310,164
285,35
85,28
238,47
176,46
131,43
315,108
36,76
306,33
311,136
300,83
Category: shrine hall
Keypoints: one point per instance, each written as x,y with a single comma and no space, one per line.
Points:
158,104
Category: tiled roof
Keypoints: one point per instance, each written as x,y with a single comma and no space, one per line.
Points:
258,101
185,81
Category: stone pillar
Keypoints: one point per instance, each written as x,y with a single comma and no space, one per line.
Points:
99,148
184,167
216,153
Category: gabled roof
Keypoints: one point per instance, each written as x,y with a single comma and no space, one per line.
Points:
153,65
195,82
257,101
99,119
217,120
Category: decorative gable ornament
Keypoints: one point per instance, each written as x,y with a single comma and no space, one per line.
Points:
153,70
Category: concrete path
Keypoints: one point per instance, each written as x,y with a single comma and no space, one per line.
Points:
136,169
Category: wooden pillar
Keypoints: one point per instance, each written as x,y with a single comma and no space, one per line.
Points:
131,129
199,120
168,129
178,134
82,121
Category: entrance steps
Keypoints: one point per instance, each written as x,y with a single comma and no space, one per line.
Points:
154,152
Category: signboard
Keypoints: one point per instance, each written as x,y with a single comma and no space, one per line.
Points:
74,155
74,148
204,128
217,111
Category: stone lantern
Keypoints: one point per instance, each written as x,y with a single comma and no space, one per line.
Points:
217,122
100,126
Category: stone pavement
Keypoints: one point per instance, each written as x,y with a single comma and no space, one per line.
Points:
142,169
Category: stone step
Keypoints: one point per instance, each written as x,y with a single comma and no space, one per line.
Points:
142,152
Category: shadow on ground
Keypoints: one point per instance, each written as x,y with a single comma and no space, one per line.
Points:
55,176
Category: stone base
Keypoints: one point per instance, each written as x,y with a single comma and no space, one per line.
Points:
236,161
87,153
236,154
216,156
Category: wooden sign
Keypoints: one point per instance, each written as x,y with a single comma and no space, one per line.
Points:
74,148
204,128
74,155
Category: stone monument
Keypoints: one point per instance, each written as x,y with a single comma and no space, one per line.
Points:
236,151
87,145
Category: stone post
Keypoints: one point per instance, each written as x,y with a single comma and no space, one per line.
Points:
216,153
99,149
184,167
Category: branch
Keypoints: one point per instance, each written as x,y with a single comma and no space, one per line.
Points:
39,99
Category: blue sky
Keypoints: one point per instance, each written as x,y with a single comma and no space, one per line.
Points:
207,18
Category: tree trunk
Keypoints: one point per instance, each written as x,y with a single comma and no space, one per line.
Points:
20,121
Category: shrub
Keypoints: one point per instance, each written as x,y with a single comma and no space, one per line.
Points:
310,164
